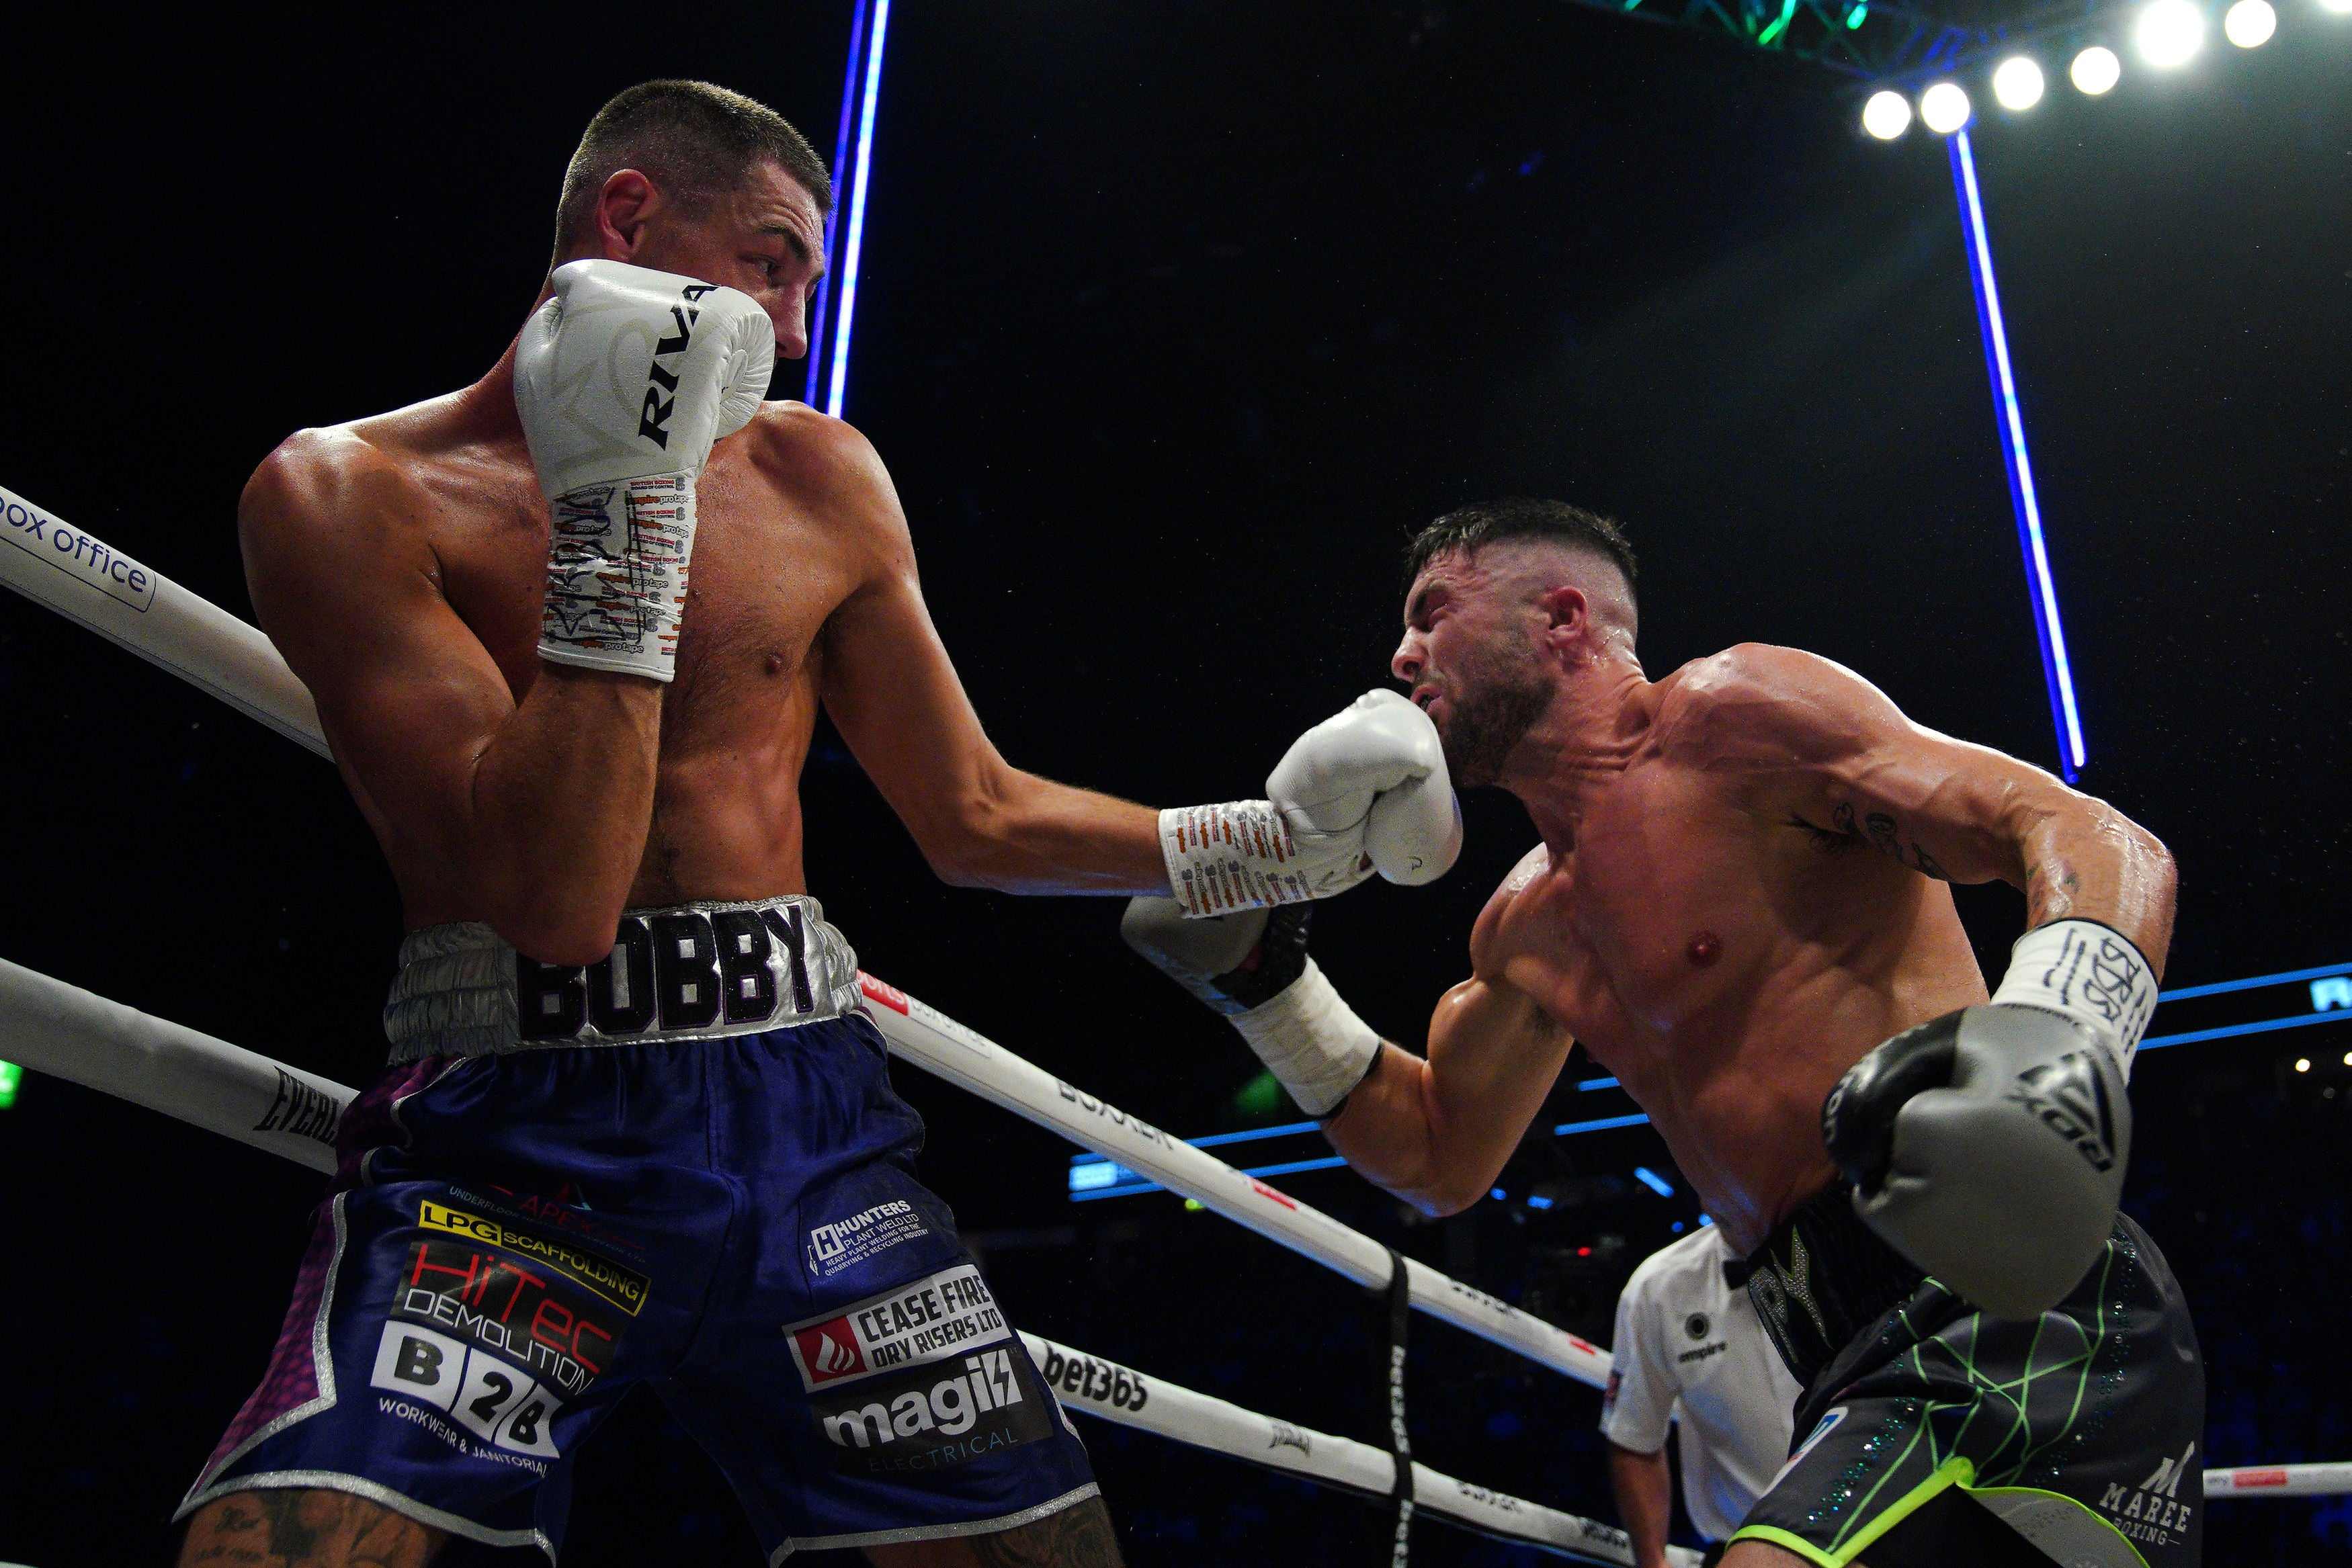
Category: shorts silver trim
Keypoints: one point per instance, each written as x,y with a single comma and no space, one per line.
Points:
322,1367
936,1531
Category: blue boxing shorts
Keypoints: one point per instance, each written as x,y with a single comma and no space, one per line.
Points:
683,1166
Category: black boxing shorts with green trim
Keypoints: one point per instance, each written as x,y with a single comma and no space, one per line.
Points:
2076,1434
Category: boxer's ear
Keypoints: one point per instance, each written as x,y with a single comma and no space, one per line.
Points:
623,207
1567,614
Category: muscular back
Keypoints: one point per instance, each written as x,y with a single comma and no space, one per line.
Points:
1725,936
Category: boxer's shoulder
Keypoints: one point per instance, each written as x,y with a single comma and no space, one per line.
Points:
813,455
386,467
329,478
824,468
1492,935
1758,705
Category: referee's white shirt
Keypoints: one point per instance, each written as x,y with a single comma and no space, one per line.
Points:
1689,1349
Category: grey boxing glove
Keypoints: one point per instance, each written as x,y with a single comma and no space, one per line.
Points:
1988,1145
1253,968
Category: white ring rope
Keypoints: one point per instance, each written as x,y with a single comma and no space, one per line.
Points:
70,1033
134,605
2331,1479
1203,1421
939,1045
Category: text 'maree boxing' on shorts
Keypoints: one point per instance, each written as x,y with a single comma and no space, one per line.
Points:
519,1236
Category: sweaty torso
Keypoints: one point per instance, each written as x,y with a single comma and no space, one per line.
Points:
737,721
1727,963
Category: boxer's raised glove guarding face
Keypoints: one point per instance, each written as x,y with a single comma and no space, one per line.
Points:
1988,1146
1366,789
1253,968
624,381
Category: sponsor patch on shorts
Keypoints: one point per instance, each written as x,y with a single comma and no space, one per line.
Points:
932,1417
500,1405
921,1322
846,1243
563,1335
624,1287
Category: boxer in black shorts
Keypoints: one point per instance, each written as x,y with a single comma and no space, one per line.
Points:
1741,906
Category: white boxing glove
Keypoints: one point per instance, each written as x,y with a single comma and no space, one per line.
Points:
624,381
1367,788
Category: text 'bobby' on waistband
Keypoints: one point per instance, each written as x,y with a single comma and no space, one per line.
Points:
697,971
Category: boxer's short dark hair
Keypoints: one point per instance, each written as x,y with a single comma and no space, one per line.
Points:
1469,529
694,140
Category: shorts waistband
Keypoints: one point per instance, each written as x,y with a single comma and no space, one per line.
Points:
1823,1279
697,971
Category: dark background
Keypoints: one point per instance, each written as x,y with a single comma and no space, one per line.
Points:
1175,318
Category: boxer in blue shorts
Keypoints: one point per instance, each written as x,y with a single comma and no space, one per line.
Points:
568,630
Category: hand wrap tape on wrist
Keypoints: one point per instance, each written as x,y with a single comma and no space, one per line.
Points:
1312,1042
2089,972
616,567
1236,855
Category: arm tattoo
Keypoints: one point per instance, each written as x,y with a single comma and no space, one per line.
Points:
1075,1537
305,1529
1882,833
1846,832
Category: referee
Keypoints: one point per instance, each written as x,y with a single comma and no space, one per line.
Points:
1689,1350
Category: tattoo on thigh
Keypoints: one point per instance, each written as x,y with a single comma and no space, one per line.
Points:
305,1529
1075,1537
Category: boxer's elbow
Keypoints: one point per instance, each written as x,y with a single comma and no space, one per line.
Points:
552,919
1400,1157
558,936
962,853
982,837
1450,1193
1433,1193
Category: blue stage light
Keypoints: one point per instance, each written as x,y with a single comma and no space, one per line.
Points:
1598,1124
2057,675
1654,1181
838,364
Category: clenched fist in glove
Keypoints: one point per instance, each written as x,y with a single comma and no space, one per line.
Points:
1988,1145
1253,968
626,380
1366,789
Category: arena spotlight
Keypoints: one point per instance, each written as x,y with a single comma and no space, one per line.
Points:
2095,70
2250,23
1887,116
1944,108
2169,32
2302,1064
2341,7
2017,83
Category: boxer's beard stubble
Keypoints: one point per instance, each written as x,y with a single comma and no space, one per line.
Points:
1490,713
